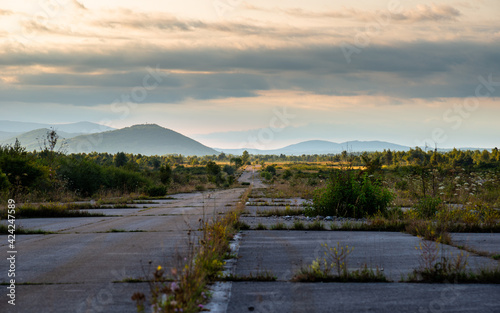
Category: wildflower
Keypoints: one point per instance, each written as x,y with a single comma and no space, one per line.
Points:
159,268
163,302
174,286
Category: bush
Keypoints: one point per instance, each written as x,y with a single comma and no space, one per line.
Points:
228,169
428,206
84,177
200,188
156,191
287,174
270,169
266,175
20,170
4,181
123,179
350,195
87,177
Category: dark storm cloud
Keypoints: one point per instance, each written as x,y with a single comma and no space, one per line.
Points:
421,70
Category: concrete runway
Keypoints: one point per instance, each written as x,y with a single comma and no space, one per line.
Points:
75,269
284,252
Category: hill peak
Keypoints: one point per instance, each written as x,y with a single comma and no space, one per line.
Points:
148,139
146,126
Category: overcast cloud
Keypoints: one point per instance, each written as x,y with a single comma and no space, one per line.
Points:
88,55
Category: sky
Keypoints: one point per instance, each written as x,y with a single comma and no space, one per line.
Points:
259,74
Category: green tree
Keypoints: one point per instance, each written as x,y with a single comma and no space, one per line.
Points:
120,159
213,168
221,157
21,169
238,162
495,156
156,163
165,174
371,164
228,169
388,157
245,157
214,172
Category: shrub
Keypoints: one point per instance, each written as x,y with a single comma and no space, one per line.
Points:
20,170
270,169
428,206
266,175
200,188
350,196
84,177
123,179
228,169
156,191
4,181
287,174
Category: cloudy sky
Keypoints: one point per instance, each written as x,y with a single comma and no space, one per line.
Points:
260,74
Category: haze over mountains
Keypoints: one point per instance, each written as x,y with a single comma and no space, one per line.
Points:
148,139
323,147
79,127
151,139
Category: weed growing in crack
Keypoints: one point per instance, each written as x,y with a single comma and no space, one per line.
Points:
261,226
184,287
259,276
279,226
316,225
298,225
333,267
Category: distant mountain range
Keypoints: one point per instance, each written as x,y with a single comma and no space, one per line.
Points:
151,139
34,140
324,147
76,128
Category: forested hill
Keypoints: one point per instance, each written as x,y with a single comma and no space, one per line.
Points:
148,139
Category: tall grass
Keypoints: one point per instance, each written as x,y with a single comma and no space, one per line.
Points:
53,210
200,266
